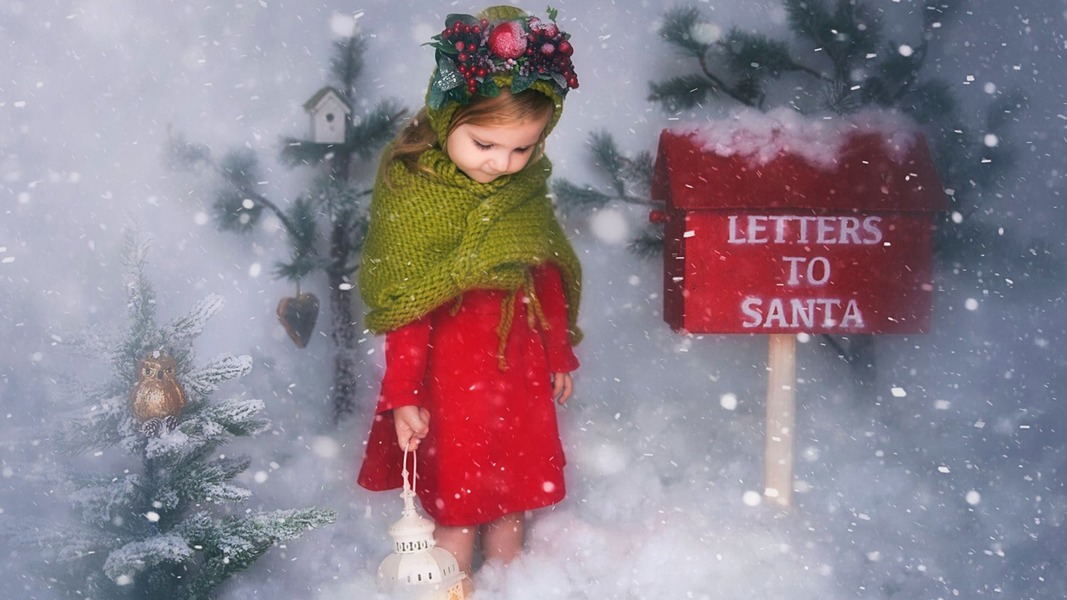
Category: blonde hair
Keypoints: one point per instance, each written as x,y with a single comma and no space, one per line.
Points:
502,110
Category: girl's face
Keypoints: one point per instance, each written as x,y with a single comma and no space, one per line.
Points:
484,153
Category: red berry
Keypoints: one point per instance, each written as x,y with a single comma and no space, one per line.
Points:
548,49
565,48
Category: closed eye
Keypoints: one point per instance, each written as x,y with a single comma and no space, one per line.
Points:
481,146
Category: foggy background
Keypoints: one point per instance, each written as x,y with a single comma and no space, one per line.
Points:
947,480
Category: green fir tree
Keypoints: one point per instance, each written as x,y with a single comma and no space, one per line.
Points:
326,224
165,522
837,61
841,61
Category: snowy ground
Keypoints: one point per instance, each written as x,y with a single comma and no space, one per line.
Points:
944,481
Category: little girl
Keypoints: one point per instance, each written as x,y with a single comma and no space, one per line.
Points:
471,278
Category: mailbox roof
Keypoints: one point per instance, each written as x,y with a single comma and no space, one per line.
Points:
866,172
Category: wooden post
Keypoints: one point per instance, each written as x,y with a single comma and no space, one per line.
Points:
781,419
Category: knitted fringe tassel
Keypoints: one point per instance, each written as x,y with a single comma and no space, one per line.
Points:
535,316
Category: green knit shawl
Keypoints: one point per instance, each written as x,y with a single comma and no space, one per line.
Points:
433,237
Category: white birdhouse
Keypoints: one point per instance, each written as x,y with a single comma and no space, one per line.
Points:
329,114
417,569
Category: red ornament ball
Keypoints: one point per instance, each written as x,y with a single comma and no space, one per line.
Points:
508,40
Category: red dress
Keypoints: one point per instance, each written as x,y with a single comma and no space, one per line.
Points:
493,447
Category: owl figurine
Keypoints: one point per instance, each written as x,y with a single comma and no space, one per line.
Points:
157,399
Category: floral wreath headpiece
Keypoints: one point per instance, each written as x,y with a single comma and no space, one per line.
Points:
501,47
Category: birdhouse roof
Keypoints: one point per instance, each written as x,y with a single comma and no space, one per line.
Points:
322,95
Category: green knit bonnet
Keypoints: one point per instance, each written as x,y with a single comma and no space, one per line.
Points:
500,48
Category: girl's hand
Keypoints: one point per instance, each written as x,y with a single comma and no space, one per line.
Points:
412,425
562,386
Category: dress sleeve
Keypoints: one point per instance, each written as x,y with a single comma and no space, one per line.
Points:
406,350
549,289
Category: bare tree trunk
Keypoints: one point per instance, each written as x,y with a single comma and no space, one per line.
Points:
343,325
863,365
343,332
859,353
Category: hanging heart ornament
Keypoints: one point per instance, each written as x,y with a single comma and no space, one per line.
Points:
298,316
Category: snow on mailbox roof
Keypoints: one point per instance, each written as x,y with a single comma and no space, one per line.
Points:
870,161
762,137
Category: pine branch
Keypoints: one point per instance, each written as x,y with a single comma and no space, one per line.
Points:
192,324
125,563
856,33
1005,109
606,155
54,542
347,64
756,54
100,502
182,155
684,92
199,479
140,297
237,417
678,93
809,19
930,103
376,129
305,259
648,243
233,544
225,367
97,427
677,29
575,199
296,152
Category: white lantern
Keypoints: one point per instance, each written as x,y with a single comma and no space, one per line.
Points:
417,568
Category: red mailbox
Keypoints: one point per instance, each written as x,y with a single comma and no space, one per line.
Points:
779,225
774,241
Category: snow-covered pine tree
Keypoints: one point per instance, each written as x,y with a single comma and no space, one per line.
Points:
326,225
164,523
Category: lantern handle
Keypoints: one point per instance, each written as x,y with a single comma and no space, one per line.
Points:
410,486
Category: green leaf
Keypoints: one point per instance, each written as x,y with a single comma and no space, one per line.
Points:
436,98
448,75
452,19
521,83
560,81
489,88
